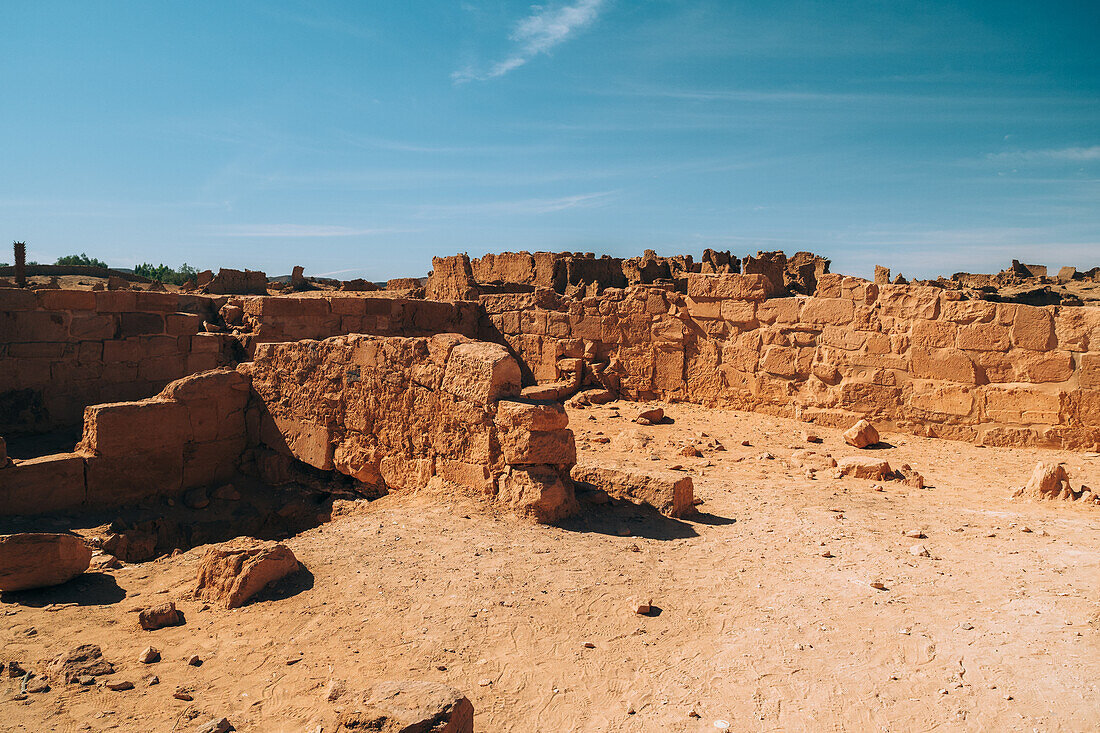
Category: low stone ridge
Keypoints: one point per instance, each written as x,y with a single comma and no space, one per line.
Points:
232,573
40,559
670,493
410,707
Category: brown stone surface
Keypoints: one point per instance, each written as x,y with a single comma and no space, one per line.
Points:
40,559
234,572
408,706
668,492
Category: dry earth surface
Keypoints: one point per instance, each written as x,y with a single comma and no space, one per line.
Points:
996,630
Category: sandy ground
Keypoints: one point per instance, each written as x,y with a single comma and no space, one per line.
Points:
997,630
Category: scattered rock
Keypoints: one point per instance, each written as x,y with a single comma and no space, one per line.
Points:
691,451
909,477
194,660
878,585
196,498
919,551
160,616
916,534
218,725
412,707
864,467
643,608
119,685
41,559
84,660
651,416
149,656
811,437
334,690
184,694
861,435
231,573
38,685
228,492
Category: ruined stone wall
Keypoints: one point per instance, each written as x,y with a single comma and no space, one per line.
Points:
190,435
288,318
915,358
396,412
62,350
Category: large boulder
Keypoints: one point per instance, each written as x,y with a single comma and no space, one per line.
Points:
670,493
1050,481
41,559
410,707
861,435
231,573
863,467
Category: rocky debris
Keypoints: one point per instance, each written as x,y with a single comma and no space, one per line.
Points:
196,498
875,469
591,397
812,461
149,655
811,437
643,608
226,492
119,685
916,534
231,573
1050,481
909,477
690,451
14,669
334,690
131,545
410,707
159,616
919,551
669,493
878,585
217,725
84,660
194,660
861,435
40,559
182,693
650,416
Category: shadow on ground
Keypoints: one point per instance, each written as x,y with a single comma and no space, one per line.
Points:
89,589
624,519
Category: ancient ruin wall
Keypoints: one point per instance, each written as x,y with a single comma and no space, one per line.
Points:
190,435
397,412
915,358
289,318
62,350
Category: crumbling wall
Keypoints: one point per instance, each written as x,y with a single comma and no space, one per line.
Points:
397,412
914,358
289,318
62,350
191,434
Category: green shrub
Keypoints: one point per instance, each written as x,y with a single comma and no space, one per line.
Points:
165,274
80,259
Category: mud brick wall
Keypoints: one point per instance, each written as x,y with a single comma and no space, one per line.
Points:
62,350
396,412
192,434
275,319
913,358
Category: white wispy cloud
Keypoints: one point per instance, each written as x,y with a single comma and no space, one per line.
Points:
536,34
1071,155
294,230
531,206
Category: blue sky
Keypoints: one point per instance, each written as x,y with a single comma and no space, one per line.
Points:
361,138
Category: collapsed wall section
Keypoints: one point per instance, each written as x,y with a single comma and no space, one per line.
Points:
399,412
915,358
